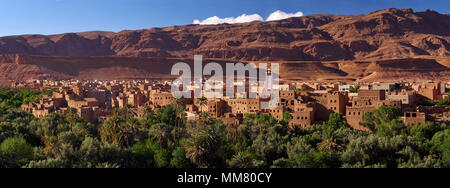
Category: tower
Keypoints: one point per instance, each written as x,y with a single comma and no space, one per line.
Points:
269,81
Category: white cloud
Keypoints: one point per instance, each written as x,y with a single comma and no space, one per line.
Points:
230,20
280,15
277,15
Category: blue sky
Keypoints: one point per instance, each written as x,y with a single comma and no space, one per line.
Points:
61,16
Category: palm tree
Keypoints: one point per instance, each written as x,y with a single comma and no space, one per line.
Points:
72,117
205,118
160,132
128,112
241,160
180,114
202,102
149,117
112,132
200,147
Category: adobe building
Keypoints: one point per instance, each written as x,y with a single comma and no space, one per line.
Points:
231,121
162,99
216,108
94,101
373,95
430,91
136,98
303,116
278,112
244,106
356,111
436,113
412,118
367,101
408,99
331,102
384,86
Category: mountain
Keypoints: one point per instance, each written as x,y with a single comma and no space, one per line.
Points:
379,36
390,33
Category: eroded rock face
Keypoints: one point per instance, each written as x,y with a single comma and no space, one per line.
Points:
377,35
389,44
28,67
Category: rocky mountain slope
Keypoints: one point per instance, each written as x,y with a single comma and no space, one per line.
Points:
390,33
418,38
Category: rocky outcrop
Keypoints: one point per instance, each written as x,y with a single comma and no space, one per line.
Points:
28,67
389,44
390,33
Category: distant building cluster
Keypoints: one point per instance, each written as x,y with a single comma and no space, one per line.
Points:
307,103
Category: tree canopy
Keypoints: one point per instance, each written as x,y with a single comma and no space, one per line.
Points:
166,139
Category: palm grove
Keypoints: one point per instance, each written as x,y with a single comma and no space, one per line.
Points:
165,139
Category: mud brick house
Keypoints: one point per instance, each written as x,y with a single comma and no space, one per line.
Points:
303,115
367,101
161,99
244,106
231,121
216,108
436,113
411,118
430,91
356,110
136,98
372,95
329,103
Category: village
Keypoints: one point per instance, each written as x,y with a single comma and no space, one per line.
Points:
307,103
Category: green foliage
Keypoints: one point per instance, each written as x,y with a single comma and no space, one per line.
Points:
440,144
167,115
382,115
444,102
150,154
335,122
355,89
16,152
269,146
47,163
244,160
165,139
116,131
395,127
302,89
202,147
179,159
286,118
17,97
311,159
425,131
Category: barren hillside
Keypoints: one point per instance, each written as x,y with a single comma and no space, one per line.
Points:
389,44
